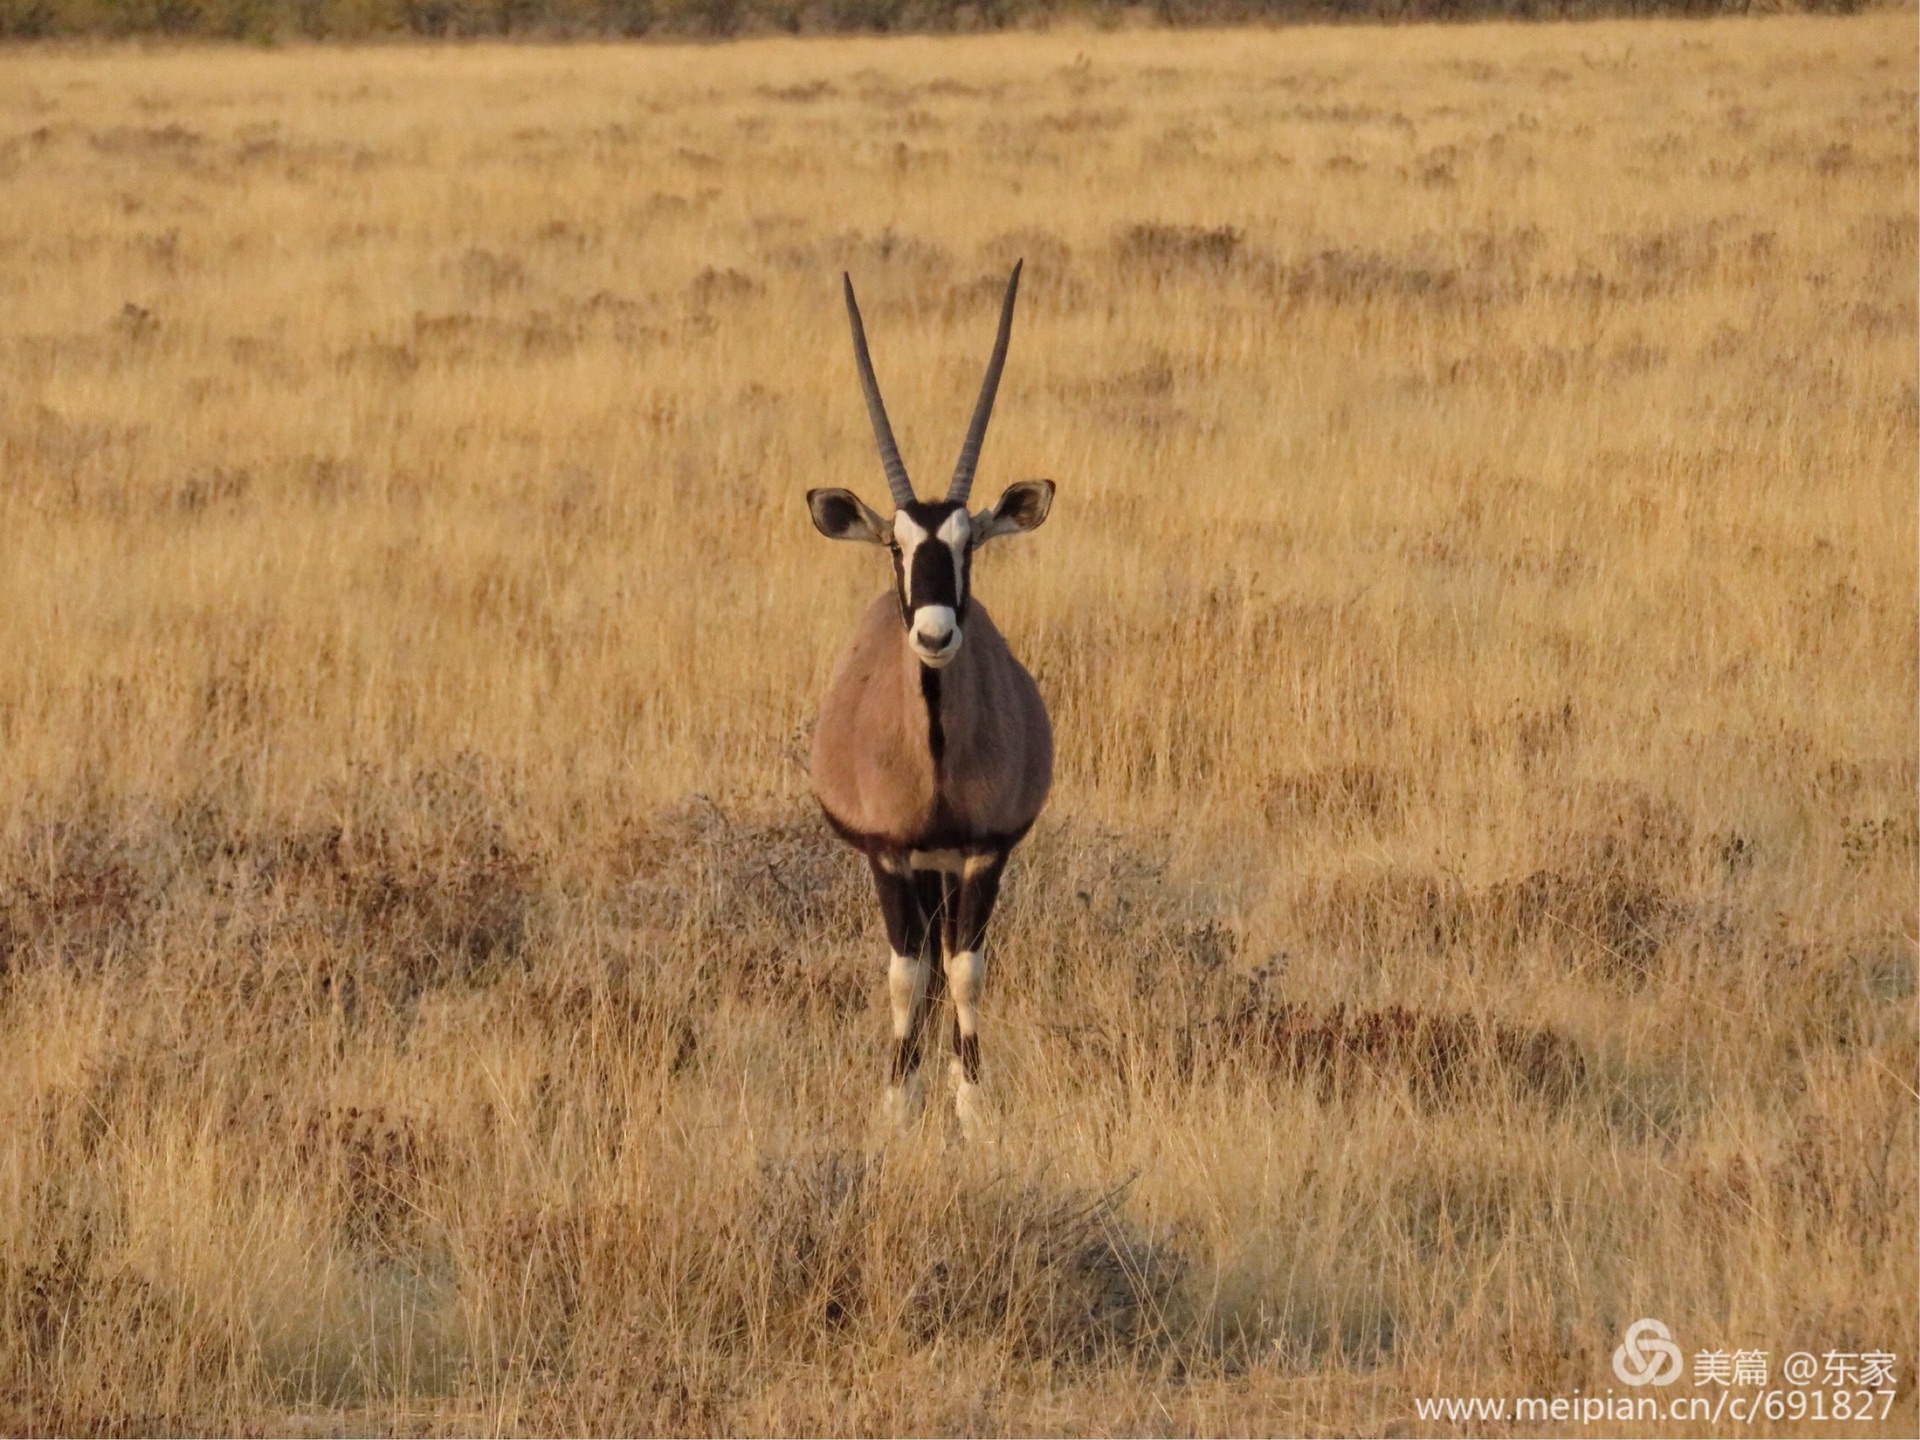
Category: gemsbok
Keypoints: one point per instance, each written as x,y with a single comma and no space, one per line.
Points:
933,754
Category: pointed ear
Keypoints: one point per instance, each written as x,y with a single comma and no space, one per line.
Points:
1020,507
842,515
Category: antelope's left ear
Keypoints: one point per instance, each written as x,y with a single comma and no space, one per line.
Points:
1020,507
842,515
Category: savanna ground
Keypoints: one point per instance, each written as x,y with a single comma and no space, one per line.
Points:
1477,908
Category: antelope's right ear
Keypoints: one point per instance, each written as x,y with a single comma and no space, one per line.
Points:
842,515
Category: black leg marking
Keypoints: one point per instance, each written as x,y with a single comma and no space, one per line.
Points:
967,1047
930,893
908,932
950,912
937,910
979,892
906,1053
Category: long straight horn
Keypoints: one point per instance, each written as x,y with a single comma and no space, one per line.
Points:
897,480
983,408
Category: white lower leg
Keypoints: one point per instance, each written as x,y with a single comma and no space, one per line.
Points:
906,994
966,973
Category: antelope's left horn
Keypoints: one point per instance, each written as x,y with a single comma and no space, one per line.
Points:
898,485
983,408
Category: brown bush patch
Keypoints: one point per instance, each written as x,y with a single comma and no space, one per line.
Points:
464,337
1057,1275
375,1163
712,286
1600,920
785,870
1166,248
906,259
1043,250
1441,1058
1346,276
1337,795
87,899
701,877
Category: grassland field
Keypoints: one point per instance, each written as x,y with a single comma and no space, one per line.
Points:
1477,908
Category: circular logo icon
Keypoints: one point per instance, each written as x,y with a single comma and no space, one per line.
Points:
1647,1356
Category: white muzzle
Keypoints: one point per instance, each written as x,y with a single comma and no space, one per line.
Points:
935,635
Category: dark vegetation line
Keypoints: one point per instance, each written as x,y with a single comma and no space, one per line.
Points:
266,20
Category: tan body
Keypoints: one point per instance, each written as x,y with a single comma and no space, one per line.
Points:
874,769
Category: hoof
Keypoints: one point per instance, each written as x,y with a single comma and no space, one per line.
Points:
899,1107
970,1109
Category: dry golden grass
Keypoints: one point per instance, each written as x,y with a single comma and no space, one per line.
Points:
1477,907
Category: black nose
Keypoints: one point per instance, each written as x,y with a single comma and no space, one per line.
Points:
933,639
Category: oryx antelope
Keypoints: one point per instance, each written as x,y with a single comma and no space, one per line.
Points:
933,754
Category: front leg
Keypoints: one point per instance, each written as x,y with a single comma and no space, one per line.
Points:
909,935
966,967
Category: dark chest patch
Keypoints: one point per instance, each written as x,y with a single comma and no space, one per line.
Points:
936,732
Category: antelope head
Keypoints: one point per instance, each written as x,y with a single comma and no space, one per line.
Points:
932,541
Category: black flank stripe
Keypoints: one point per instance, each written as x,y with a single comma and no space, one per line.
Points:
940,833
